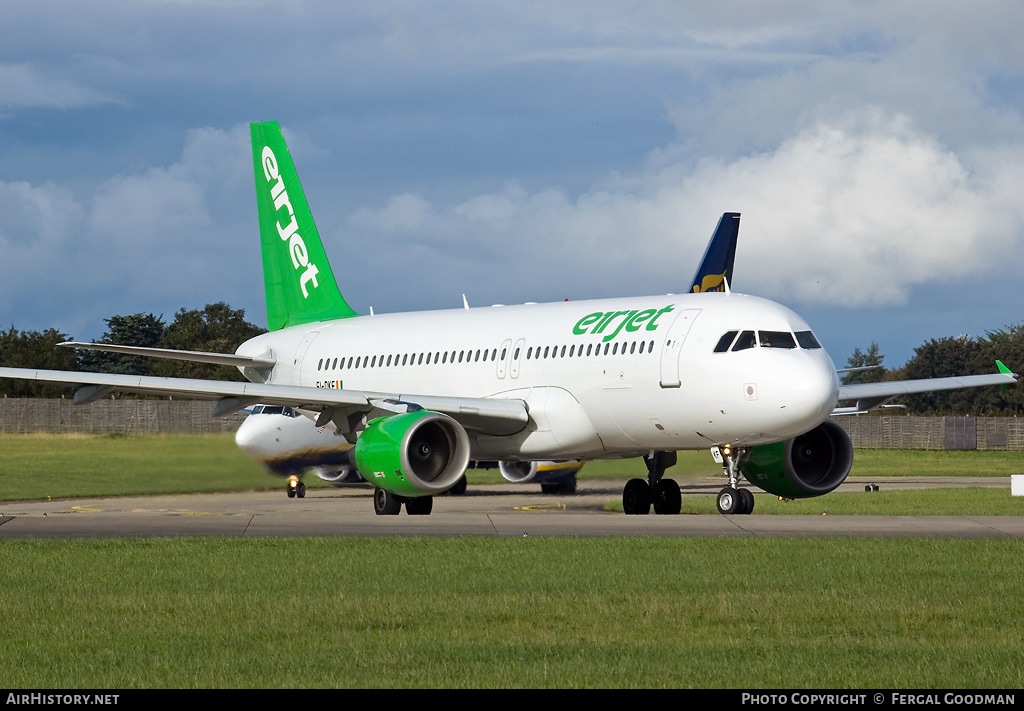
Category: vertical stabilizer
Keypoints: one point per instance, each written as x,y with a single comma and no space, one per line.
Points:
299,283
715,270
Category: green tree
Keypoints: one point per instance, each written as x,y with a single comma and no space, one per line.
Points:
865,359
34,349
942,358
132,330
217,328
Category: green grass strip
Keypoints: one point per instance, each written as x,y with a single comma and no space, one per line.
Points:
522,612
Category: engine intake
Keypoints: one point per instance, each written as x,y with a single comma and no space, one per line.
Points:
812,464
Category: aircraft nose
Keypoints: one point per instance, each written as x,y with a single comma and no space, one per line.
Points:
807,391
245,437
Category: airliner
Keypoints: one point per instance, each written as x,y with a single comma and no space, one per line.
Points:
420,394
288,444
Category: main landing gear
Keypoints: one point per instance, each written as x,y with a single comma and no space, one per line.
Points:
295,489
664,494
387,504
733,499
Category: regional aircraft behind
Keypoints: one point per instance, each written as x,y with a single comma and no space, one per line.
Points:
420,394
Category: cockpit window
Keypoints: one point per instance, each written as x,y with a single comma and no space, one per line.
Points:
776,339
725,341
745,341
807,340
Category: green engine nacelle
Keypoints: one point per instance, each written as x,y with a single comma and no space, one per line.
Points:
812,464
414,454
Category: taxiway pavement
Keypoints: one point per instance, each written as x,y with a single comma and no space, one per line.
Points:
498,510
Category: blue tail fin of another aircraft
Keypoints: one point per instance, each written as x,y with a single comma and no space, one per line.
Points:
715,270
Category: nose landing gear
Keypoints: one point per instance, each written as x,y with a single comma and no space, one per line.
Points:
733,499
295,488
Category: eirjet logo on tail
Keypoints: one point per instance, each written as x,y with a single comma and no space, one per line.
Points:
290,234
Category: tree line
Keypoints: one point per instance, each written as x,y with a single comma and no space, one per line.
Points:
944,357
216,328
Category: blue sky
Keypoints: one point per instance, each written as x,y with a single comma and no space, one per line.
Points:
518,151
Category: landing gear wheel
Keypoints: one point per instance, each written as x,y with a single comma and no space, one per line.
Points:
728,501
300,490
291,492
636,497
460,487
419,506
747,501
385,503
667,498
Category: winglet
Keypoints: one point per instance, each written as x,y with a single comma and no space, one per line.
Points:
715,270
1002,368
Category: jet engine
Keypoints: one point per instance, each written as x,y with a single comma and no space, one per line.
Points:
553,477
414,454
812,464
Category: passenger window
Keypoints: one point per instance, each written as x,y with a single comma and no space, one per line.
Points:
725,341
745,341
807,340
776,339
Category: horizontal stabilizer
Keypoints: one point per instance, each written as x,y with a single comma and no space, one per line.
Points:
238,361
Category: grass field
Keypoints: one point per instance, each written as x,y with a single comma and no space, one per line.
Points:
522,612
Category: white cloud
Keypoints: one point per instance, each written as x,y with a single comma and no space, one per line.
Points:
853,212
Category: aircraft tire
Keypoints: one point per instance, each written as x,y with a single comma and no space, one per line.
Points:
419,506
300,490
667,498
291,492
385,503
728,501
636,497
747,499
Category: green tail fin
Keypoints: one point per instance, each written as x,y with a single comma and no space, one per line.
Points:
298,279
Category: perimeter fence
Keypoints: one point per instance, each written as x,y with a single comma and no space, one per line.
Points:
129,416
121,416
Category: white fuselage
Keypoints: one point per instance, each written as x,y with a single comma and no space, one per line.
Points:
601,378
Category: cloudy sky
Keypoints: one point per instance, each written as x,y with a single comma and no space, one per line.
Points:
521,151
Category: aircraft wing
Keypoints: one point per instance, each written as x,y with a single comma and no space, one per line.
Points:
496,416
865,396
